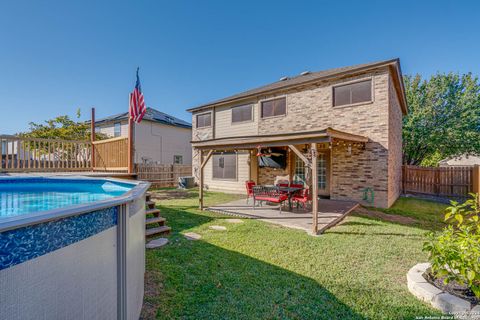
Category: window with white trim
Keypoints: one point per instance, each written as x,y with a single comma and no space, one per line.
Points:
274,107
204,120
242,113
117,129
177,159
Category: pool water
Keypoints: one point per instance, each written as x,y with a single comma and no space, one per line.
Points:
23,196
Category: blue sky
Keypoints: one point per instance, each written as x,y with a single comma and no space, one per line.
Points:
57,56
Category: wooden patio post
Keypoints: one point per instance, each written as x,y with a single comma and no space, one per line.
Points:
314,188
203,162
92,139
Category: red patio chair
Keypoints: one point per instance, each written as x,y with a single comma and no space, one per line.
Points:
303,197
249,185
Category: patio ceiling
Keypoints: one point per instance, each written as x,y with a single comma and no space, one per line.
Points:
275,140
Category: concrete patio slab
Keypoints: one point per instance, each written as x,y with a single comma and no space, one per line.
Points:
330,212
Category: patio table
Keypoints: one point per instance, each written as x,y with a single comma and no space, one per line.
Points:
290,191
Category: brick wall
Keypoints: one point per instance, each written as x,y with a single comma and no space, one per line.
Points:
394,146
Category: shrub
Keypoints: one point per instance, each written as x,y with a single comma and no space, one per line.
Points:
455,252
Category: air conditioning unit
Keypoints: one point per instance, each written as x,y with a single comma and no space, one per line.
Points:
186,182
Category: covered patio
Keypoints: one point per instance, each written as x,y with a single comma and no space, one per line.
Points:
330,212
305,147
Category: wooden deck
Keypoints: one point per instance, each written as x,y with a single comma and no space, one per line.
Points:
330,212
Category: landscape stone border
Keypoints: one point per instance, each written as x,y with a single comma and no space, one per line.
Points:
438,298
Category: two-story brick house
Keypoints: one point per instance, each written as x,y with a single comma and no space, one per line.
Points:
351,116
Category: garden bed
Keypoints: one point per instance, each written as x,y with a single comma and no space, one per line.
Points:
452,287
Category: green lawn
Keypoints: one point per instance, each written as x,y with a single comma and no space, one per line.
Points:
257,270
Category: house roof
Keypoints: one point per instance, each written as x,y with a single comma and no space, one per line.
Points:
463,160
306,78
282,139
151,115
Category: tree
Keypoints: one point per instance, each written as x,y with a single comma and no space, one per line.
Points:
61,127
443,118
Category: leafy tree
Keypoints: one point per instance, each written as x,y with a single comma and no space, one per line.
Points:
443,119
61,127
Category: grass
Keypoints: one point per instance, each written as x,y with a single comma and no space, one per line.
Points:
256,270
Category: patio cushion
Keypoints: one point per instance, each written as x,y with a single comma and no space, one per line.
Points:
277,199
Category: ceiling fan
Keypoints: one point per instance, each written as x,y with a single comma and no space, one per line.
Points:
267,153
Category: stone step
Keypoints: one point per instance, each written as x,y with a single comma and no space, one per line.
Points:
159,220
158,230
155,212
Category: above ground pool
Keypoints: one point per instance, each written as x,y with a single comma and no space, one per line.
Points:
71,248
27,195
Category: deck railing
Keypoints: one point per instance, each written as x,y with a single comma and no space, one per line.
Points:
19,154
111,154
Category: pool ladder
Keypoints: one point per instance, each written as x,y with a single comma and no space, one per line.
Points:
154,223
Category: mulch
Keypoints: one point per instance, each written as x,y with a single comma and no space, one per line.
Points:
452,287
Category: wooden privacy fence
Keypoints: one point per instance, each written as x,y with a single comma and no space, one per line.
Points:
454,182
33,154
111,154
162,175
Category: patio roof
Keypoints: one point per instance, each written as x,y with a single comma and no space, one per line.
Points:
249,142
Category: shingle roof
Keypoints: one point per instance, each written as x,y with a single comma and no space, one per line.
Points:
300,79
152,115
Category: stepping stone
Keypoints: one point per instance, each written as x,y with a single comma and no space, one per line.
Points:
192,236
220,228
157,243
234,220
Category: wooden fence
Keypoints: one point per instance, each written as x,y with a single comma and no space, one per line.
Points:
162,175
454,182
111,154
20,154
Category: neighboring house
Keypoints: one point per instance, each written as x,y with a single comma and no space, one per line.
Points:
460,161
353,114
159,138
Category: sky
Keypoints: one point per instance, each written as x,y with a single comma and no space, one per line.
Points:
59,56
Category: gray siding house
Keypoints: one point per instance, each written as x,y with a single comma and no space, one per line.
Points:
351,115
159,138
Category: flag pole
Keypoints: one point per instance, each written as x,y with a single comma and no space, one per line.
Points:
131,134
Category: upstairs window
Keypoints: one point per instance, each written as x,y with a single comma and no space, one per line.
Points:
352,93
242,113
224,166
274,107
204,120
117,129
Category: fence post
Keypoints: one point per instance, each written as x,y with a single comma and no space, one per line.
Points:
92,139
476,179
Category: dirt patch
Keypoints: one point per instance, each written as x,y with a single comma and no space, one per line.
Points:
452,287
169,194
153,288
384,216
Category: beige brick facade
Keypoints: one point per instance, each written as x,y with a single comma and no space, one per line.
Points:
309,108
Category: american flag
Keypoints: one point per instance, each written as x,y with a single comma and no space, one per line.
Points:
137,107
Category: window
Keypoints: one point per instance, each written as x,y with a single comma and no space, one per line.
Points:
242,113
275,107
225,166
178,159
204,120
117,129
352,93
4,148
